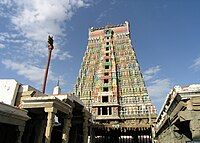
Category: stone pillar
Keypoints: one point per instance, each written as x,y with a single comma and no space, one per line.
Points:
85,126
66,128
111,110
152,133
92,134
40,127
135,137
20,133
195,129
50,122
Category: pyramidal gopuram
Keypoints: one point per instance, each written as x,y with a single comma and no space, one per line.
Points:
110,82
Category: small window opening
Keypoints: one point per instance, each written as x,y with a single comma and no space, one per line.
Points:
107,43
107,60
106,74
107,54
107,32
105,89
107,48
106,67
105,80
104,98
110,110
104,111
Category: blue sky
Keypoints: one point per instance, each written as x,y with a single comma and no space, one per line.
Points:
165,35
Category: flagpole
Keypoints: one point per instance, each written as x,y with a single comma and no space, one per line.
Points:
50,48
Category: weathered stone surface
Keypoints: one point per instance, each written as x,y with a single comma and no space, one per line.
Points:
179,119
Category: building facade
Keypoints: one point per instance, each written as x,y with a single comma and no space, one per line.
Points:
12,123
179,118
110,82
34,117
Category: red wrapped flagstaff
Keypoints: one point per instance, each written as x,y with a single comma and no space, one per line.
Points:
50,48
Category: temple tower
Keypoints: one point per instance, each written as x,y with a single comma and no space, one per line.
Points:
110,82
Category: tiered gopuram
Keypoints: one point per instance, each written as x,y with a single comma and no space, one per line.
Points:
110,82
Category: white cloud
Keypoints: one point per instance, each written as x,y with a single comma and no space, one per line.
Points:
11,38
158,90
196,64
150,73
101,16
158,87
29,24
39,49
2,46
36,19
3,36
106,13
61,55
31,72
5,2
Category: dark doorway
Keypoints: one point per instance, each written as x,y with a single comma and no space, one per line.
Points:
104,111
8,133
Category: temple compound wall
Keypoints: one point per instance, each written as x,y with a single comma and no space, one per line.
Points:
34,117
179,118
